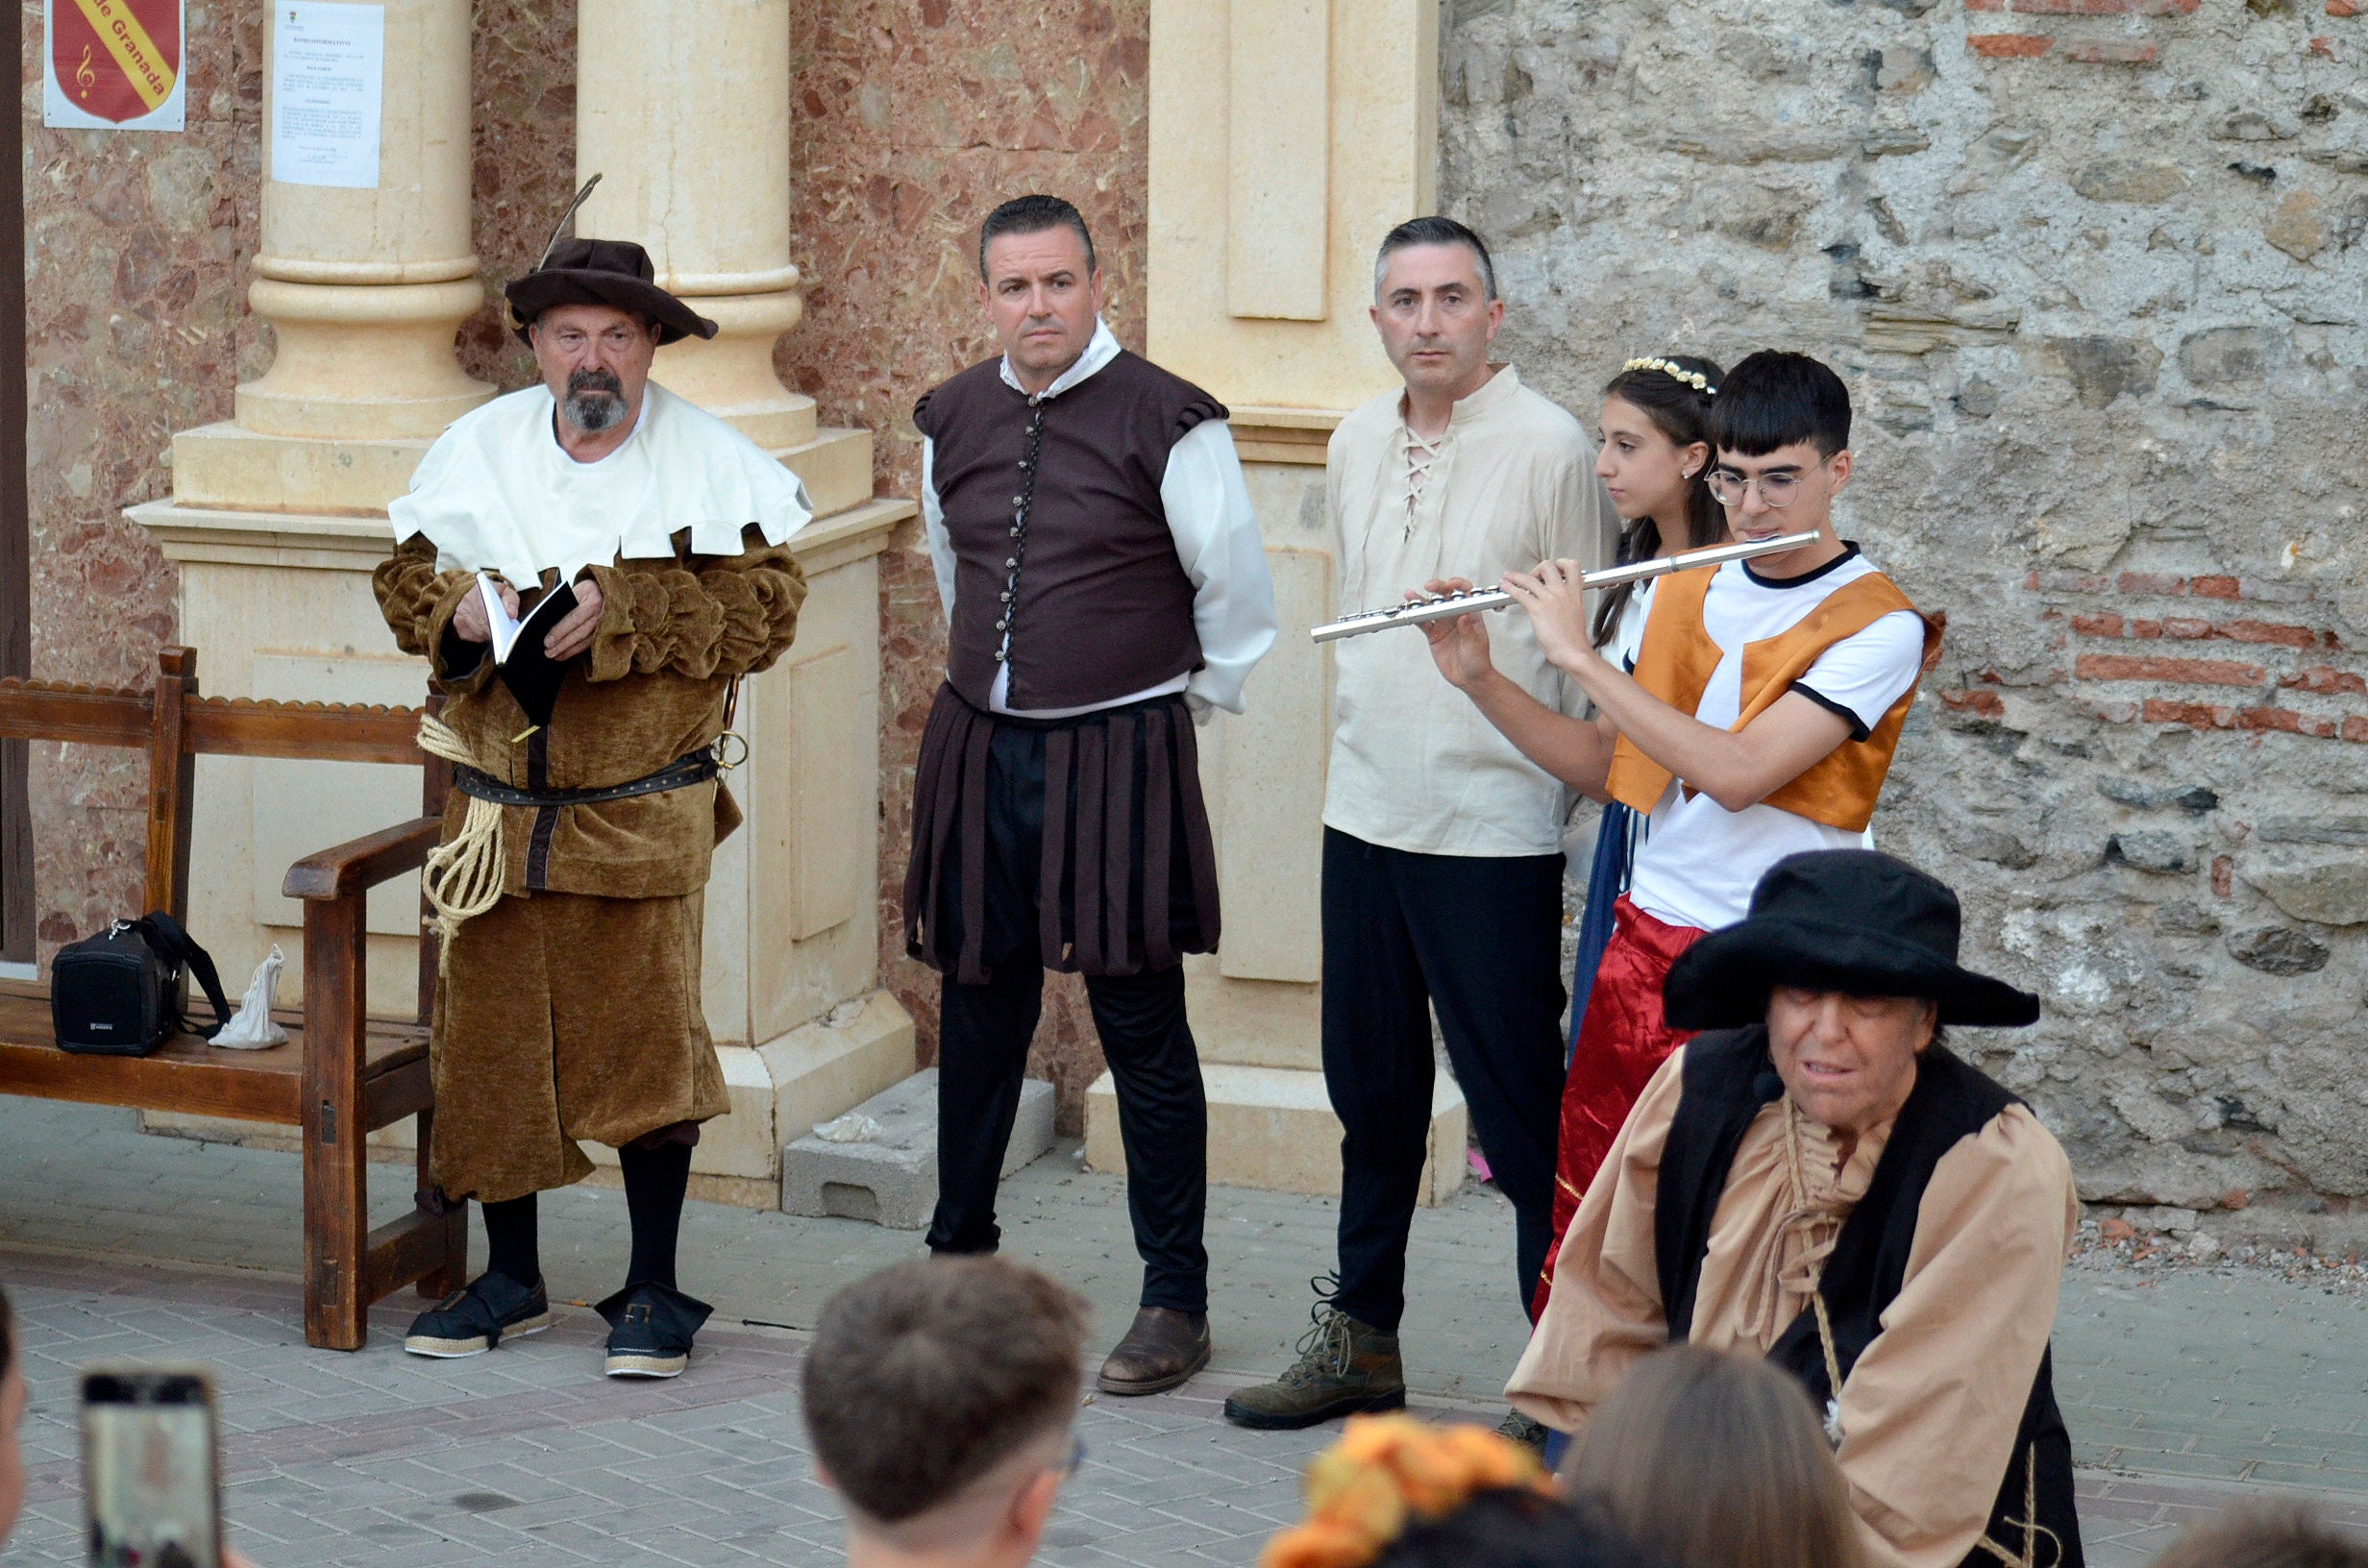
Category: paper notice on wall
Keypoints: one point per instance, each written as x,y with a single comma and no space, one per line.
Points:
328,77
113,65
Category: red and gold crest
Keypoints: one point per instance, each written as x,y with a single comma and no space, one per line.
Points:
115,60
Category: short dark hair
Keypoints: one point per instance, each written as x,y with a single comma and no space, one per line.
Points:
1034,215
1435,231
926,1376
1517,1527
1774,398
2264,1535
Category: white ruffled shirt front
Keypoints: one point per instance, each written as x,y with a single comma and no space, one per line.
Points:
496,491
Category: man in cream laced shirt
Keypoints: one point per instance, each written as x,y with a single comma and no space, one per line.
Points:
1442,866
1820,1180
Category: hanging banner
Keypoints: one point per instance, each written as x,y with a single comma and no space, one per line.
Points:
113,65
327,83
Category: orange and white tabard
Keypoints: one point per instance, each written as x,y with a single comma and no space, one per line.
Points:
114,63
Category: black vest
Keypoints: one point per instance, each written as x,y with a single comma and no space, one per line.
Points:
1100,607
1728,1079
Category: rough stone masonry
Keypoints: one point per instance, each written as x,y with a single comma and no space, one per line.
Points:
2095,272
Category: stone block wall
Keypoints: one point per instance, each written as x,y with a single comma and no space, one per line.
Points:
2094,271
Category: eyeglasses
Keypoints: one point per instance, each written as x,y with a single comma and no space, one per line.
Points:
1776,490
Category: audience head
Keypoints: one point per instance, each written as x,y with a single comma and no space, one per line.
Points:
1392,1480
1716,1460
939,1395
2265,1536
1435,304
1514,1528
1656,462
12,1417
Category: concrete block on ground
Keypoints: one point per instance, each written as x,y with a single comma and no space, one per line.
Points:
1273,1129
879,1161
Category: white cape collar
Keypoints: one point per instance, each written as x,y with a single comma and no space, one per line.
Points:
497,492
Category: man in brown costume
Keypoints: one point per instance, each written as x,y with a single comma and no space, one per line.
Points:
569,886
1105,585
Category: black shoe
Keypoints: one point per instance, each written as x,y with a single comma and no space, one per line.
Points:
649,1330
473,1320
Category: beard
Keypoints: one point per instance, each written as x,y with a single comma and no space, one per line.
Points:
595,401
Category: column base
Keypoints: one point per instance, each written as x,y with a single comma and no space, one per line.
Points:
371,361
1273,1129
730,374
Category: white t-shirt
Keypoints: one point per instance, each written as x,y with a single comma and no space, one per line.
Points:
1700,861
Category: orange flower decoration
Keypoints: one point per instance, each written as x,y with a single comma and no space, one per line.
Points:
1387,1472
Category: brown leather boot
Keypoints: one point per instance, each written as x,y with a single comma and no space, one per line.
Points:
1160,1352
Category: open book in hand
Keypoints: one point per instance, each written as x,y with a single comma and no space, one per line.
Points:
531,675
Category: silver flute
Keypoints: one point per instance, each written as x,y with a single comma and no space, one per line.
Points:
1415,611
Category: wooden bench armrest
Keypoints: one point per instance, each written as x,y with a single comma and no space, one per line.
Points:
363,863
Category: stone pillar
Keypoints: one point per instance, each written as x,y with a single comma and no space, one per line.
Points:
1266,202
682,109
365,288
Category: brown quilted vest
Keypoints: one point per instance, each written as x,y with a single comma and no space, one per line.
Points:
1098,605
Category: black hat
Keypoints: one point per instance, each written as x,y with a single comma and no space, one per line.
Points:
613,272
1838,919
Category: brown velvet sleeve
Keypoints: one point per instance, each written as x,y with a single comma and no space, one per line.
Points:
715,616
418,602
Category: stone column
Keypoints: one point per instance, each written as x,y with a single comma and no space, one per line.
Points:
1266,201
365,288
682,109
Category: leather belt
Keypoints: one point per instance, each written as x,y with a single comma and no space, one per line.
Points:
693,768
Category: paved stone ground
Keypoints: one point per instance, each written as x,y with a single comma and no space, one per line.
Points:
2184,1389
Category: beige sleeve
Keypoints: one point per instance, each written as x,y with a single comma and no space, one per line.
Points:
1605,1311
1577,517
1930,1411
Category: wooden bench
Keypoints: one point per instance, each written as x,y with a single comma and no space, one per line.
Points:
342,1073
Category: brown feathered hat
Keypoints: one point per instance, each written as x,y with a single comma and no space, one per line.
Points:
611,272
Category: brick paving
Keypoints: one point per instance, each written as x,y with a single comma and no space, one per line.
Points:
2185,1391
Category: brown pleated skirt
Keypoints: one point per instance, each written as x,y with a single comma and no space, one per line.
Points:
1126,880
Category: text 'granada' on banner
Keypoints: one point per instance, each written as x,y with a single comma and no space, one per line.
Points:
115,65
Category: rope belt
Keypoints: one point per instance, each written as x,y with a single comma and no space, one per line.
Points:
462,877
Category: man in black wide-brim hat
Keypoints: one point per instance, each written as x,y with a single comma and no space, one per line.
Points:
585,803
1819,1180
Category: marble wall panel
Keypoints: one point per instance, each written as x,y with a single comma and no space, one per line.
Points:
914,117
136,326
137,247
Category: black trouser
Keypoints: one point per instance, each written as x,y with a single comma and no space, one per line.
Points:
983,1035
1479,937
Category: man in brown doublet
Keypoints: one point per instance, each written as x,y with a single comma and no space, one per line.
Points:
1104,585
570,882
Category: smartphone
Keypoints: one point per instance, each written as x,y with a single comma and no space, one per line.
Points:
151,1476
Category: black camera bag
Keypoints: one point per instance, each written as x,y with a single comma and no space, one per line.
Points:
119,993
